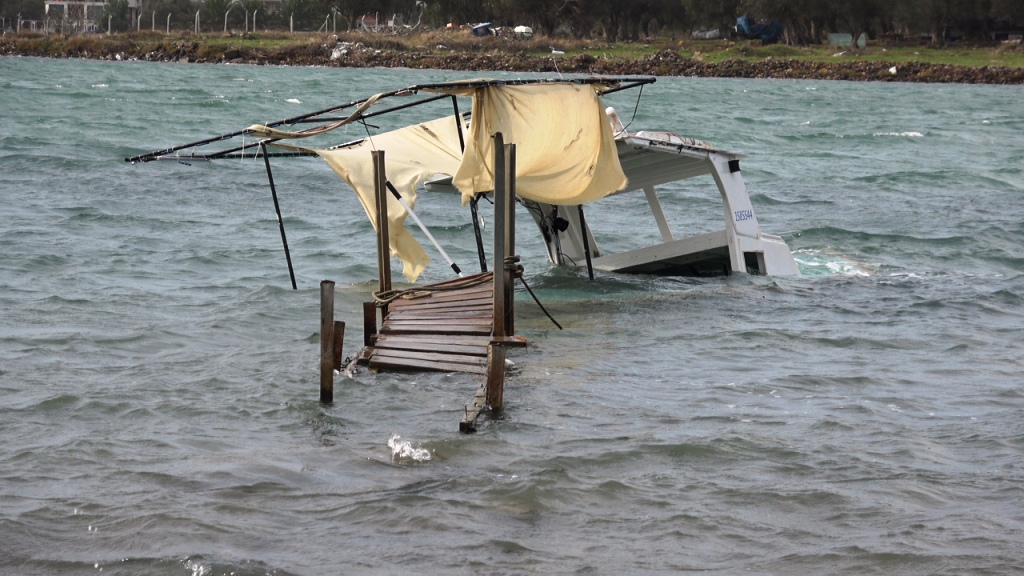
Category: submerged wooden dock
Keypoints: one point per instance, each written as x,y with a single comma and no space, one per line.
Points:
459,325
448,328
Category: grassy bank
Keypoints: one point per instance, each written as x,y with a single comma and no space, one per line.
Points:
996,63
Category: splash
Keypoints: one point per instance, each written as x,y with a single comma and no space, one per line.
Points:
403,450
900,134
293,101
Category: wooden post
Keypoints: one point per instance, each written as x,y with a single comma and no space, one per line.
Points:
339,343
327,341
510,239
504,247
495,376
369,322
500,207
383,238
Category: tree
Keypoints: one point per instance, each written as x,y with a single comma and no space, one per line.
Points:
29,9
116,12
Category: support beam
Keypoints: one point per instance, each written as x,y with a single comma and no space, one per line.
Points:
277,209
369,323
383,237
339,343
659,214
500,208
495,376
327,363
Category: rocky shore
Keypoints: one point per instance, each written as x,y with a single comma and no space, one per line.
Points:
335,53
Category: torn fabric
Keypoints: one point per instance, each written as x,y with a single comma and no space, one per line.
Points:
267,132
565,149
411,155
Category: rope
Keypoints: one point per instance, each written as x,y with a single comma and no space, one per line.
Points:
511,263
388,296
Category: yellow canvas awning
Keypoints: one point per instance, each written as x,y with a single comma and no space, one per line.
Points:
411,155
565,151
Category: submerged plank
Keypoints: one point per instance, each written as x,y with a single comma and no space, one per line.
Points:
479,350
400,328
412,320
429,338
433,356
415,364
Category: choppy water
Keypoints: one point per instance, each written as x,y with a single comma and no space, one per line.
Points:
158,379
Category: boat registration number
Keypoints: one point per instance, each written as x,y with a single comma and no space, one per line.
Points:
742,215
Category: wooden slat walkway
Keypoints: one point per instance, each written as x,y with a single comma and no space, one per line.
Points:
447,330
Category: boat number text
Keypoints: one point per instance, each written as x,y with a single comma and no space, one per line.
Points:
742,215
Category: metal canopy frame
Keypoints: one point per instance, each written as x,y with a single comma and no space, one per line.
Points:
187,152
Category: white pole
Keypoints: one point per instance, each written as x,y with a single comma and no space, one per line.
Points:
423,228
226,18
197,21
247,21
152,24
109,19
291,23
254,20
168,22
138,22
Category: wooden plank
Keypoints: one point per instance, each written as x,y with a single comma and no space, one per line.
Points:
435,322
448,298
461,340
474,305
433,356
446,295
473,409
411,364
439,314
441,331
433,347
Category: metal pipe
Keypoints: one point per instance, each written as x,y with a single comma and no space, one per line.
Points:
586,243
280,222
475,213
423,228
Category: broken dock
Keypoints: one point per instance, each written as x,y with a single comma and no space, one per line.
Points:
460,325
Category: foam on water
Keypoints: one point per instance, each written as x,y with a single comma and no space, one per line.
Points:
900,134
404,450
818,262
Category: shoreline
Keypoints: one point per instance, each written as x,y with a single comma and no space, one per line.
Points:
332,52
